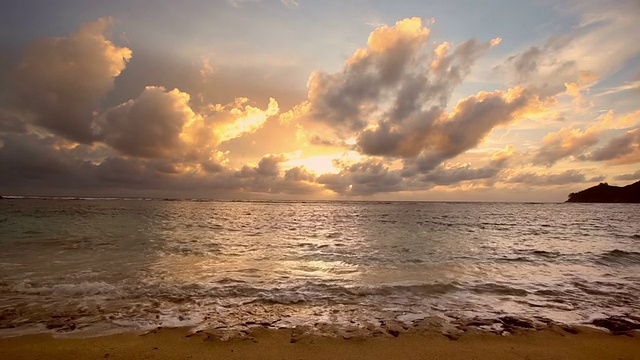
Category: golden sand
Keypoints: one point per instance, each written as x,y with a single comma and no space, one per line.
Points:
282,345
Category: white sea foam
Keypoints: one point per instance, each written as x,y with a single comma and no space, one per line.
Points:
73,266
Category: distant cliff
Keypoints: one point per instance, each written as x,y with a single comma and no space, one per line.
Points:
605,193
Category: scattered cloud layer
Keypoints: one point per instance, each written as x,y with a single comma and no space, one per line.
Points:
391,117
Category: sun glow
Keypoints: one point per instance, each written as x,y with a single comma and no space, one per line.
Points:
320,164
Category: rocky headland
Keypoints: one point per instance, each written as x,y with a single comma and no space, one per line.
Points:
605,193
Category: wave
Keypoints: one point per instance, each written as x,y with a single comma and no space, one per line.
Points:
498,289
619,257
532,255
64,290
546,254
228,289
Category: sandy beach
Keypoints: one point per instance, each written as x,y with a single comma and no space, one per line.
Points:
179,343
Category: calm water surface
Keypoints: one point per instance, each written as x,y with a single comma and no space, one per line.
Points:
114,265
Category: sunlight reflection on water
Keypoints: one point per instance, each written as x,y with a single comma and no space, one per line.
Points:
152,262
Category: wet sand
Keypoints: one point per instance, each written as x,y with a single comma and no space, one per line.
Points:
179,343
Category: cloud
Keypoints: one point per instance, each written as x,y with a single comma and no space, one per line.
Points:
501,157
238,3
60,81
372,175
596,47
392,97
542,179
430,141
628,86
27,158
570,141
267,177
269,166
453,174
244,118
541,66
563,143
156,141
626,121
290,3
149,126
10,122
391,78
366,177
49,165
162,124
619,147
389,106
631,176
576,91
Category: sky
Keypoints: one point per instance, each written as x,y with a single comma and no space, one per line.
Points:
308,99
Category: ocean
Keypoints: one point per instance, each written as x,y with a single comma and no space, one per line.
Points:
94,266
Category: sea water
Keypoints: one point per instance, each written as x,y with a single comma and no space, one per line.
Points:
101,265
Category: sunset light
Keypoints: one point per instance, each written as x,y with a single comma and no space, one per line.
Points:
320,179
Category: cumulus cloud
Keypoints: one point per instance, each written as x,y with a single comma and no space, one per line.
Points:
501,157
392,97
563,143
574,142
389,104
268,177
398,74
451,134
148,126
157,140
577,92
366,177
238,118
162,124
60,81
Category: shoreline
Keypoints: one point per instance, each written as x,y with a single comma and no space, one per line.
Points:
181,343
450,325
